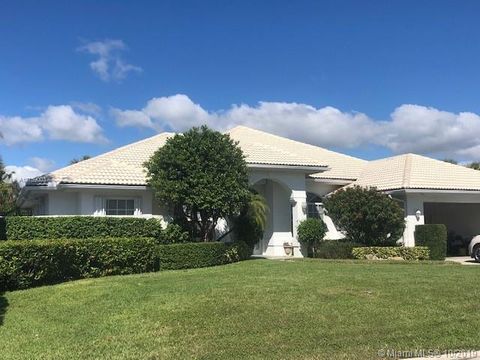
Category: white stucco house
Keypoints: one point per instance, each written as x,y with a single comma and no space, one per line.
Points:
293,177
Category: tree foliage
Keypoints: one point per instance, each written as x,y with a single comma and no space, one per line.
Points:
451,161
474,165
250,224
9,190
310,233
77,160
202,174
366,216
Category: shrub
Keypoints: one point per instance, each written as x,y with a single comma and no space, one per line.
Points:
433,236
311,232
391,252
367,216
250,224
201,254
30,263
335,249
79,227
174,234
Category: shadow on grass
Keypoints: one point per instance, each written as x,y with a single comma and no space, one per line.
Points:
3,307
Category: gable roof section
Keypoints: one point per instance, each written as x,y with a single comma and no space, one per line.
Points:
264,148
267,149
122,166
411,171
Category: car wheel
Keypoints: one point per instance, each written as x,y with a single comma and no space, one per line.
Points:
476,253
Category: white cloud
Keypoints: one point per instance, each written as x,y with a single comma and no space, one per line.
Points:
131,118
410,128
63,123
60,122
426,130
42,164
22,173
325,126
176,112
109,64
19,130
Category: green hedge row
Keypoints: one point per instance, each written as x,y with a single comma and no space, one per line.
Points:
195,255
77,227
433,236
29,263
335,249
391,252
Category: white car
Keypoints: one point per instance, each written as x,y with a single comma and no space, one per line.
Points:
474,248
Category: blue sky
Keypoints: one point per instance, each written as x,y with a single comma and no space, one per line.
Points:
369,79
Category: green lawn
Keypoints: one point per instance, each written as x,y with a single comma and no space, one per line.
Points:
253,309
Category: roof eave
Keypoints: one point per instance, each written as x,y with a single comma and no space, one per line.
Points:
309,169
332,181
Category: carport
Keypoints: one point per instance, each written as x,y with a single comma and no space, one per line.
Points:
461,219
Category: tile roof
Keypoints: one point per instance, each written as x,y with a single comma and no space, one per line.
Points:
124,166
411,171
264,148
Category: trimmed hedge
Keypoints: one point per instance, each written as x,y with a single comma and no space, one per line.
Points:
195,255
30,263
433,236
174,234
391,252
335,249
78,227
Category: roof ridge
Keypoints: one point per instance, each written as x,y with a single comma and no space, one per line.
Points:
407,171
297,142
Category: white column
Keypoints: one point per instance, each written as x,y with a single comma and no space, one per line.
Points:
298,200
414,216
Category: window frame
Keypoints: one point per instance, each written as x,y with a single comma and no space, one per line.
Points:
127,211
102,209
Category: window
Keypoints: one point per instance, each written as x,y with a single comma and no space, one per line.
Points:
120,207
314,206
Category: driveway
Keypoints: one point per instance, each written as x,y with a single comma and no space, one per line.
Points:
464,260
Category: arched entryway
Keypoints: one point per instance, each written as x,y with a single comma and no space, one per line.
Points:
279,229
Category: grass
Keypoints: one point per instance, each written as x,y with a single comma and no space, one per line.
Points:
254,309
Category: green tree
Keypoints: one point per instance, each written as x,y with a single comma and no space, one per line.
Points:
9,190
202,174
3,173
310,233
451,161
474,165
75,160
366,215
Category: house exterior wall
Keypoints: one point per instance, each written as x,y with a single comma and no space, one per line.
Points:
285,192
59,203
91,201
